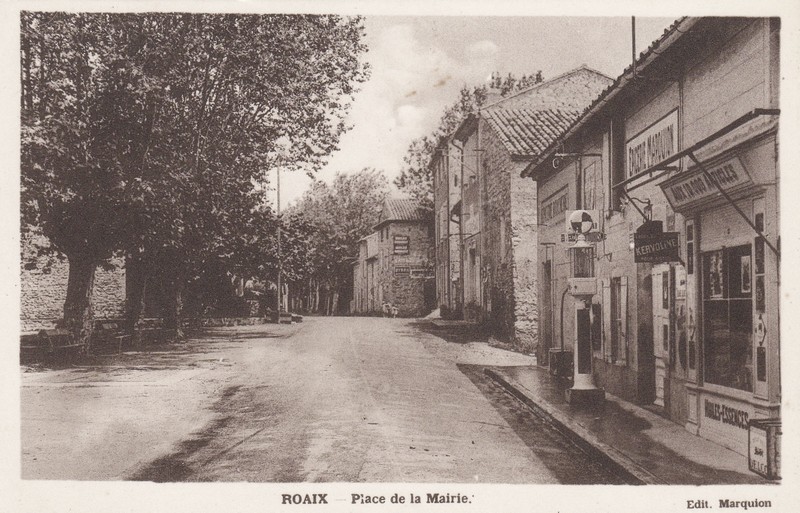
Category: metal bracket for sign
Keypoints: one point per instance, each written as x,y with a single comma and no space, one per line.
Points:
633,201
727,197
664,165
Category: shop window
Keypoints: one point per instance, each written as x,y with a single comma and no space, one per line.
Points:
728,317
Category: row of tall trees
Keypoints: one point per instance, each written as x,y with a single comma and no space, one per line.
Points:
415,178
146,134
338,215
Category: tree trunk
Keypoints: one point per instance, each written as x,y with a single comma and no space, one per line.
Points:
328,298
335,307
78,305
135,290
174,316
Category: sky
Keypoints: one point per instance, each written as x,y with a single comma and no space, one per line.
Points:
420,63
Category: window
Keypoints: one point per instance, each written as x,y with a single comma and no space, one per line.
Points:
618,316
401,245
502,245
401,271
728,317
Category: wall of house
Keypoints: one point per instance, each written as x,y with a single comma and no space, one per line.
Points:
441,195
556,196
412,292
471,227
707,98
728,80
509,245
573,90
498,282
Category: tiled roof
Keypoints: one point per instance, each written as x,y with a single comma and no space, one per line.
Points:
526,132
401,210
583,68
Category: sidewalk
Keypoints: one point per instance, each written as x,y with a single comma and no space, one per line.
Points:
647,448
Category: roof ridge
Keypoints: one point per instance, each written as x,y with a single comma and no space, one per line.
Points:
549,81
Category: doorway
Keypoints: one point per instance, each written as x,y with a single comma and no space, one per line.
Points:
669,326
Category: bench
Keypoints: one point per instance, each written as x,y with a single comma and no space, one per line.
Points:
152,329
53,344
109,332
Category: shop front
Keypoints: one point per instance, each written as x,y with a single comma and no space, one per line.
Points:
729,334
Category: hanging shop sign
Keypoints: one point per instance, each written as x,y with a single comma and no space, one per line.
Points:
692,187
582,222
572,237
653,246
652,145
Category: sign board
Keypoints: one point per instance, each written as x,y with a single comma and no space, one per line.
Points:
554,205
764,447
694,186
652,145
582,221
590,237
653,246
400,245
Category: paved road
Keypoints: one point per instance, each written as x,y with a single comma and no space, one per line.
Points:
329,400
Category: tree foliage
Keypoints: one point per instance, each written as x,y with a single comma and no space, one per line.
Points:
146,133
339,215
415,178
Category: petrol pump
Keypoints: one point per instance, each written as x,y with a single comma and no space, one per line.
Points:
582,286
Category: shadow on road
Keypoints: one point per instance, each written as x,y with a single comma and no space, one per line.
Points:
460,333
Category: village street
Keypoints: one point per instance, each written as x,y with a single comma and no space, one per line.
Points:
326,400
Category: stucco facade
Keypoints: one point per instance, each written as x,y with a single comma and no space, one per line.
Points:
695,335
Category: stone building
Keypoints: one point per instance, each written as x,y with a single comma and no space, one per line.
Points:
445,168
498,208
678,162
395,263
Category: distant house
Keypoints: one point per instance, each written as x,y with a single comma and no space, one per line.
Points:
497,209
395,263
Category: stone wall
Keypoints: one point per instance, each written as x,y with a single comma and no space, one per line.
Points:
510,245
43,290
407,292
496,167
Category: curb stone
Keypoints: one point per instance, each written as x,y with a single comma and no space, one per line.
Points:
633,472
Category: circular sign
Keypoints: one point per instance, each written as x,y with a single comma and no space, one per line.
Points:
581,221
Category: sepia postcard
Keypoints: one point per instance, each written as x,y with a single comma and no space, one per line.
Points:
443,256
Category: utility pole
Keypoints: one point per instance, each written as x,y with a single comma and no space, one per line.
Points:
278,188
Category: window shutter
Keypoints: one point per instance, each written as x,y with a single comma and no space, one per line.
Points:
606,288
623,328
